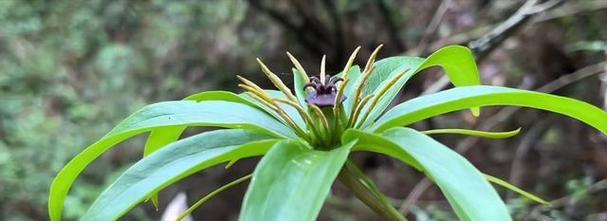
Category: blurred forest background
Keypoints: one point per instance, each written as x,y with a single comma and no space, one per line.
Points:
70,70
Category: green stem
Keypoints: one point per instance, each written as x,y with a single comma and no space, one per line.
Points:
212,194
364,189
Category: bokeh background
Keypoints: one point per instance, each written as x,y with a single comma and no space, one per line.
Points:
70,70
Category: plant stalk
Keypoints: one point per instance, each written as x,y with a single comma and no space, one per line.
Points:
364,189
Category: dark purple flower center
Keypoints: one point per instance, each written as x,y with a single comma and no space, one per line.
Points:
324,92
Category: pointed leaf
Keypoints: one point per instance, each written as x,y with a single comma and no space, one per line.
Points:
475,133
292,182
291,111
298,86
165,135
468,192
172,113
457,62
172,163
475,96
160,137
354,78
515,189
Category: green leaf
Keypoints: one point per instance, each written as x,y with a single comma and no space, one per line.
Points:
218,96
160,137
475,96
354,78
212,194
172,163
476,133
291,111
292,182
165,135
515,189
157,139
389,67
457,61
298,86
172,113
469,193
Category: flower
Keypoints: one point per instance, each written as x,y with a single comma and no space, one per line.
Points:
325,93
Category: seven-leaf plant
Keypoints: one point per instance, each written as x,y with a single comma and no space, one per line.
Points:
306,135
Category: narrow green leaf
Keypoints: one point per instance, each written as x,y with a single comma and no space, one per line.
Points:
172,163
172,113
165,135
475,133
209,196
218,96
515,189
291,111
298,86
476,96
160,137
457,61
292,182
387,68
157,139
354,76
469,193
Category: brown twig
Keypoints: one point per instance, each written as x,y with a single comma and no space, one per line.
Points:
571,9
563,201
439,14
530,138
484,45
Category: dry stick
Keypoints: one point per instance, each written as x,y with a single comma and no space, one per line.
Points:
530,138
482,46
439,14
572,9
604,83
596,187
560,12
463,146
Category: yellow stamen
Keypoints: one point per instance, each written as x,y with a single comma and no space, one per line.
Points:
366,75
298,66
268,102
322,117
358,109
344,74
303,113
338,98
250,83
276,81
322,69
380,95
371,60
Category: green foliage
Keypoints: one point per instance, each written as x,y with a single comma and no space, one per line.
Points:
291,169
305,147
172,163
69,65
